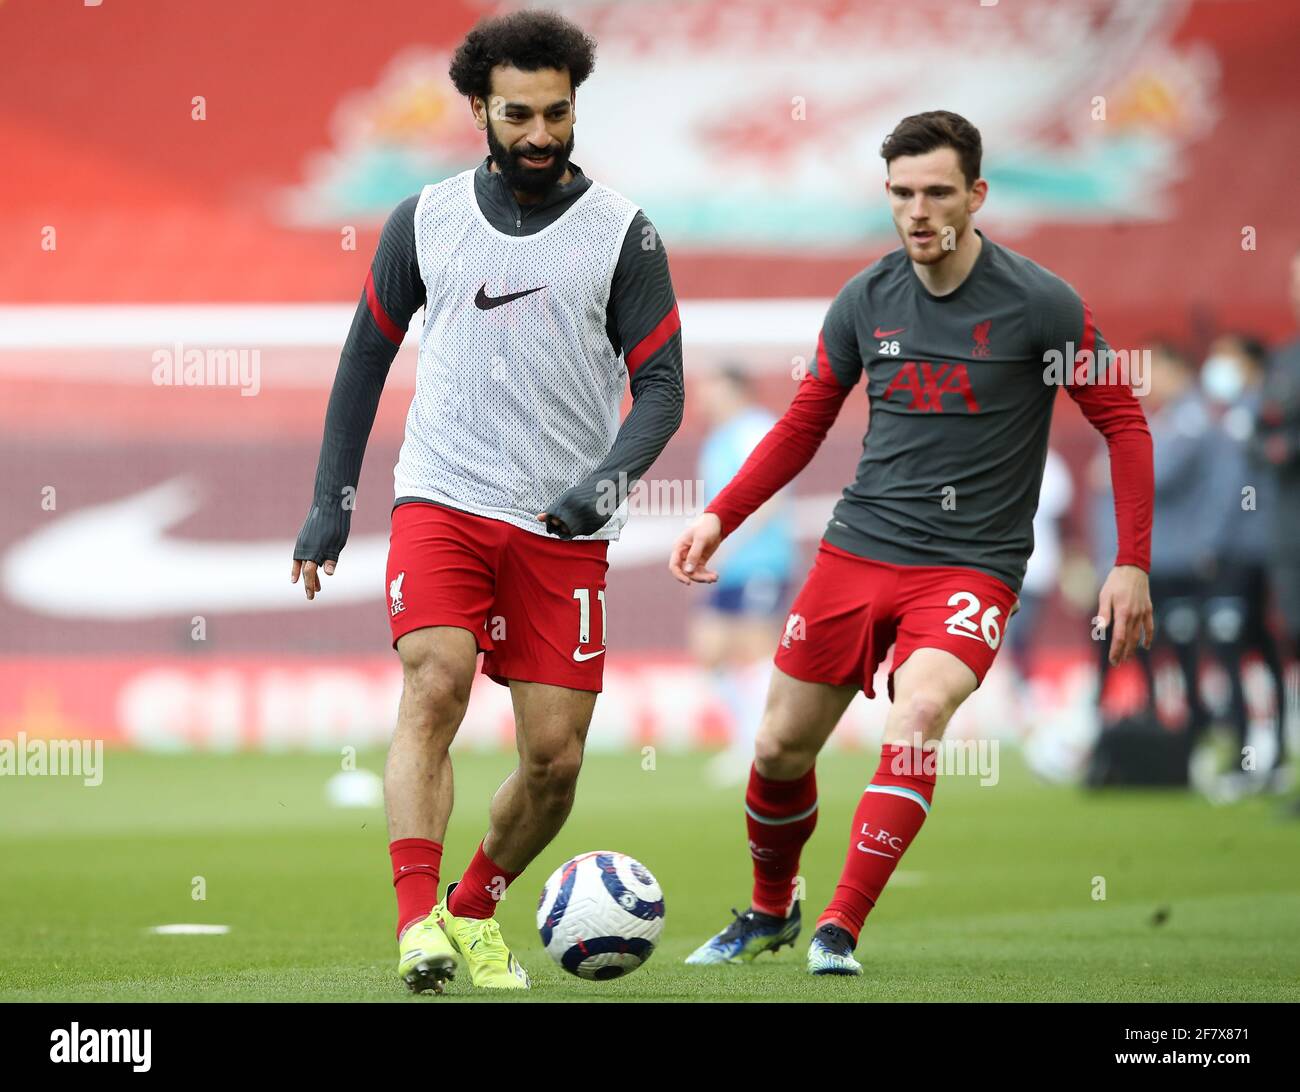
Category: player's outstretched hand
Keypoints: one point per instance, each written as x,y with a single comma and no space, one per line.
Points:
696,545
1126,599
310,575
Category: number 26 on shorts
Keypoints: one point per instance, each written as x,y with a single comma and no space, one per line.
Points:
962,623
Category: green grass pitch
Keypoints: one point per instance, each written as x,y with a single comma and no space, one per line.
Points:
994,901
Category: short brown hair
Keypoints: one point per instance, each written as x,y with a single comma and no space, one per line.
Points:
921,133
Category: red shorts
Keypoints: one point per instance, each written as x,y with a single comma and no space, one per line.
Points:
851,609
535,603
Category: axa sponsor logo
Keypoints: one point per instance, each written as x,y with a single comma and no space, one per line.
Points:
927,383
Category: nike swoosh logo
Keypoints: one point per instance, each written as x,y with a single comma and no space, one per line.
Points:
889,333
579,655
132,536
862,846
484,302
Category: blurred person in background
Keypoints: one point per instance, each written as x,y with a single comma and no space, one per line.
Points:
1236,621
1276,443
733,633
1185,531
1044,567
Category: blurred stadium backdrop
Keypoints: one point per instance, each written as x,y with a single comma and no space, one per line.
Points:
211,175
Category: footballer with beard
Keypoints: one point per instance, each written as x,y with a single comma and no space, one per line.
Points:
544,293
963,345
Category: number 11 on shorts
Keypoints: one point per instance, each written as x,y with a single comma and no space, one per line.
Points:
583,596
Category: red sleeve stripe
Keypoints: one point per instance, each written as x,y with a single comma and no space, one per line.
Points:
653,341
824,370
1089,340
387,326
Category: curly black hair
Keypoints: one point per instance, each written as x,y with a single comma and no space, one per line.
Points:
528,40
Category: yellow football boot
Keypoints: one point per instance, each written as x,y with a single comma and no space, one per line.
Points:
478,942
427,959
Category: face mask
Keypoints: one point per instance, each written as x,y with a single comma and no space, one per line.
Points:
1222,379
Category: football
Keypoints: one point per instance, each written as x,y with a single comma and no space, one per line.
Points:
600,915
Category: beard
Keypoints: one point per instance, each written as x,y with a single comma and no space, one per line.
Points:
933,252
929,255
525,179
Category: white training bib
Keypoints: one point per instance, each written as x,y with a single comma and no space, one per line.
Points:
518,388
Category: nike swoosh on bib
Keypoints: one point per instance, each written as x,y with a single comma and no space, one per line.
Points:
889,333
484,302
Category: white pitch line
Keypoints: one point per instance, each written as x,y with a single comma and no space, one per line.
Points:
907,879
706,324
181,929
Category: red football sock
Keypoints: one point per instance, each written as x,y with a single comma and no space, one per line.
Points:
415,876
887,819
481,888
780,816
